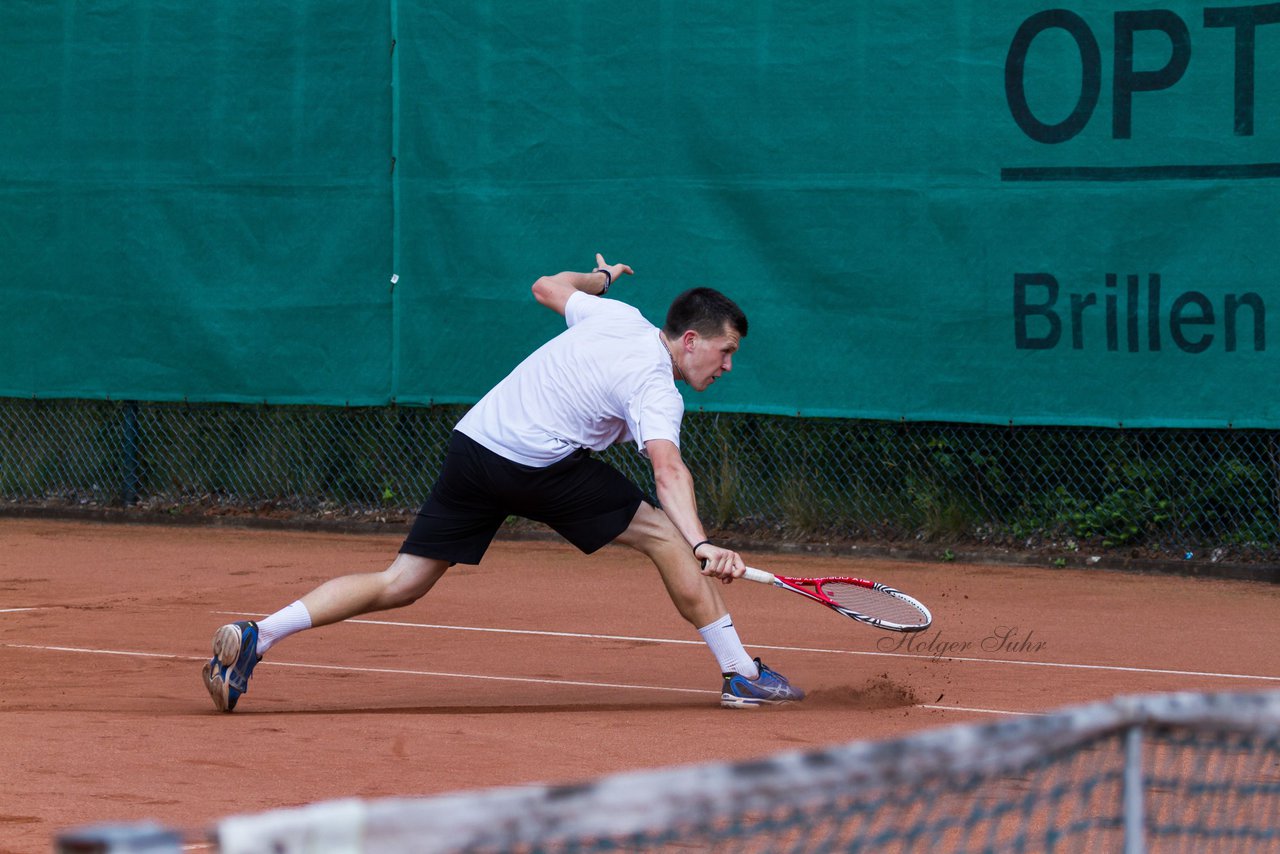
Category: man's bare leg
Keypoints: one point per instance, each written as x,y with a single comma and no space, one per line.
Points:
747,683
695,596
237,647
404,582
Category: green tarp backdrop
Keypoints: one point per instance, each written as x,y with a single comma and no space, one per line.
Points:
1006,212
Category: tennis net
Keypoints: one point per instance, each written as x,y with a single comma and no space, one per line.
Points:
1176,772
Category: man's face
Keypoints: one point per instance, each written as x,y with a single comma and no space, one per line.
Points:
705,359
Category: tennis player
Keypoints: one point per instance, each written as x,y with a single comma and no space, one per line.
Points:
525,450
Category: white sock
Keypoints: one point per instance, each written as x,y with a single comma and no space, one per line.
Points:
287,621
722,637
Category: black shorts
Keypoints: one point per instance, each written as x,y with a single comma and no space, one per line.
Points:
586,501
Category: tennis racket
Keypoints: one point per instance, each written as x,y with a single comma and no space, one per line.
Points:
865,601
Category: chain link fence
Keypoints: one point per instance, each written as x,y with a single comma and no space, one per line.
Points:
1148,492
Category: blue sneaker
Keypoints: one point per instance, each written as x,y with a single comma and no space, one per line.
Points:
235,653
770,689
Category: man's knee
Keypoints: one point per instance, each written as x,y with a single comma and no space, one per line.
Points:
409,578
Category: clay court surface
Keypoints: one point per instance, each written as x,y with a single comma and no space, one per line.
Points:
540,665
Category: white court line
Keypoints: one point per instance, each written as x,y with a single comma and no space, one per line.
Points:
390,670
981,711
915,656
400,672
17,610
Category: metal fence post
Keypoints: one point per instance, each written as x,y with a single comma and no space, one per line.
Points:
132,473
1135,820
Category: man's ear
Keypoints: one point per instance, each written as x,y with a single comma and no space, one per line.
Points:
687,339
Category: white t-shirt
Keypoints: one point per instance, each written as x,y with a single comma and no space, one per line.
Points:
605,379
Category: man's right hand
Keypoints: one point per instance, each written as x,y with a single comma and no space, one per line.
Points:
724,564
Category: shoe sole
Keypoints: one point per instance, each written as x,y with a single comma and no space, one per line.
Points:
226,649
216,687
731,702
226,644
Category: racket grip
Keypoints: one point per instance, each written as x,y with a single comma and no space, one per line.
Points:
753,574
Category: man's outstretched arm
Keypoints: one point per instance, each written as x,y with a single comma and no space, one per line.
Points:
674,485
554,291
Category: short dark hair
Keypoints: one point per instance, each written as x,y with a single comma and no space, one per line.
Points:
705,311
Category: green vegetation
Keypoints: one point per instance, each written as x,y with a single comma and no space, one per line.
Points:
786,478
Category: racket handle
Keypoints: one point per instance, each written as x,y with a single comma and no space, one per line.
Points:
753,574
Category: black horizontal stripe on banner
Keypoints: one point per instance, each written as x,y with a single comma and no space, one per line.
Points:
1193,172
